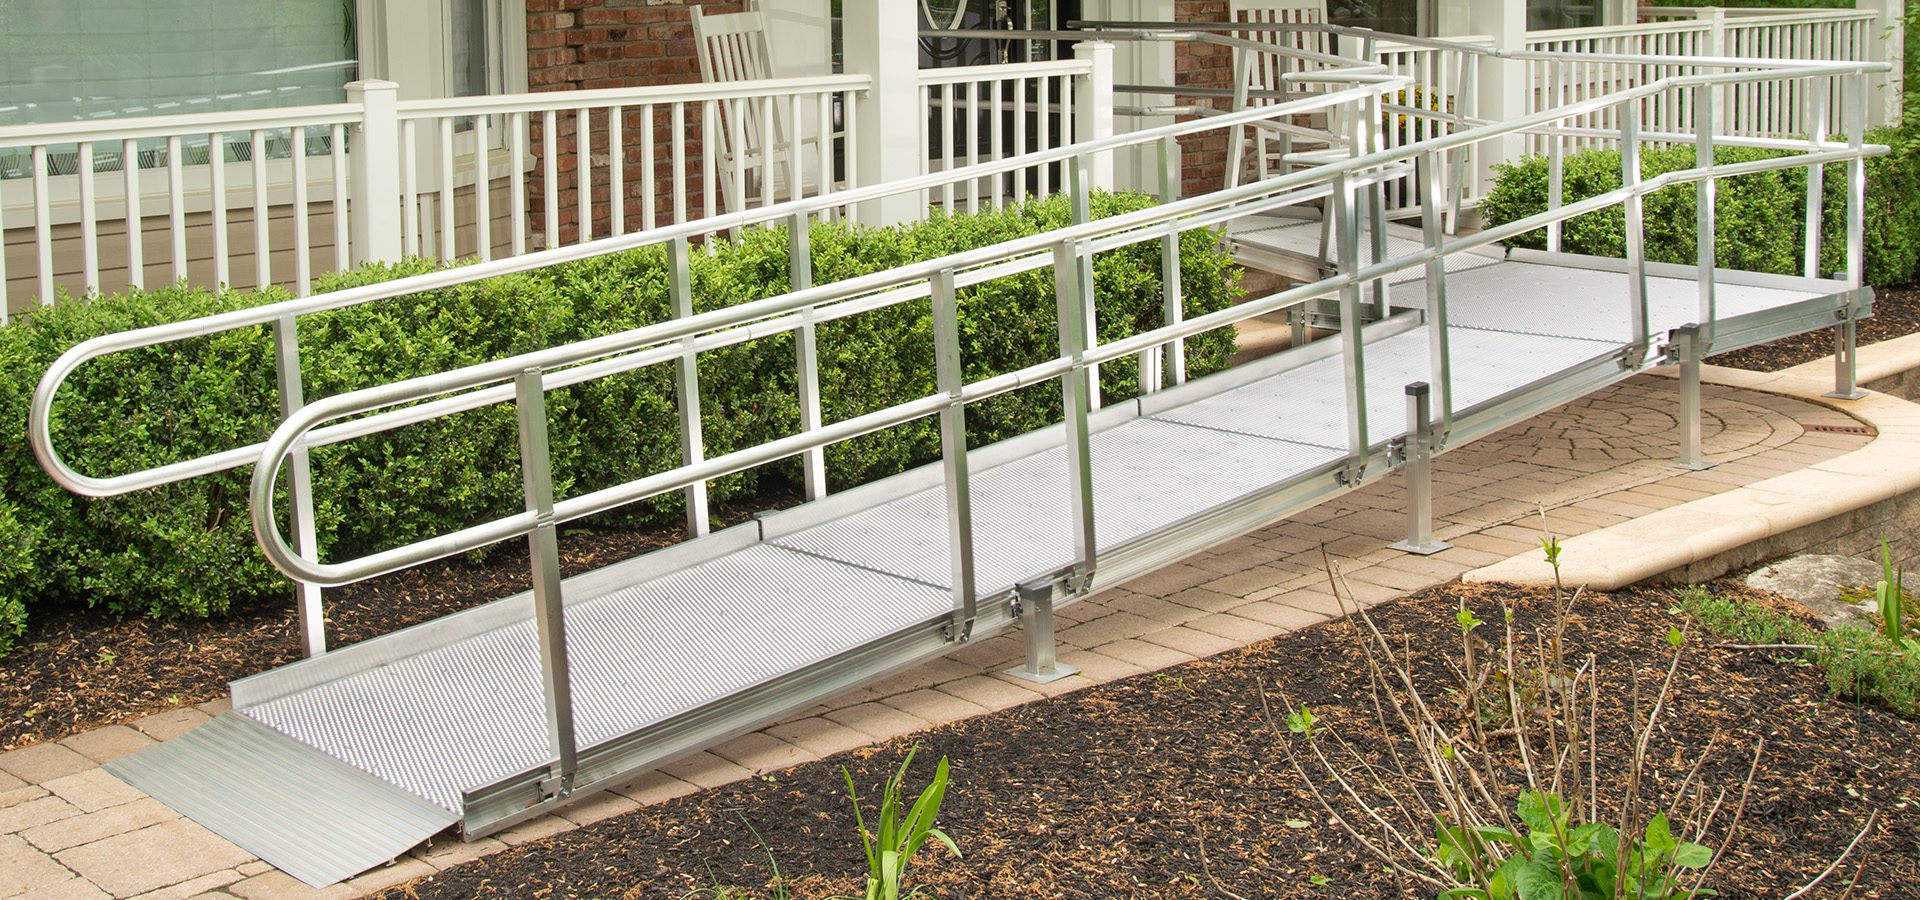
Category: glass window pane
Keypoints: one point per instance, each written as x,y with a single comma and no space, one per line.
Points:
62,60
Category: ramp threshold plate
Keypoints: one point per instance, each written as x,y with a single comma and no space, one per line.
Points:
336,764
318,819
1300,238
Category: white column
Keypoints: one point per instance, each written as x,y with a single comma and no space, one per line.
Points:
1093,117
1502,82
373,205
1138,62
881,39
1886,36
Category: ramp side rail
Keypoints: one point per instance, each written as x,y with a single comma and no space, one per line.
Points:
1068,252
284,319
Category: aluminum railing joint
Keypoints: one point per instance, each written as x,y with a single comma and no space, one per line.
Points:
1396,452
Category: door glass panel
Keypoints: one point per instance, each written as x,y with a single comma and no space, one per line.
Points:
1397,16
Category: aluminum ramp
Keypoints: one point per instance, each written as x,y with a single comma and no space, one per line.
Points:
679,649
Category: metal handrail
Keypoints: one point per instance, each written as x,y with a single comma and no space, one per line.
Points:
288,436
39,433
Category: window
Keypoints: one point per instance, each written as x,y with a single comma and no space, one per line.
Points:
70,61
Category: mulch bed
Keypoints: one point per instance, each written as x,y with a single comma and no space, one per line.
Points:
81,669
1172,785
1896,313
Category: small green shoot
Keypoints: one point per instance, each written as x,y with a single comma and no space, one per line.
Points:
1891,596
1300,721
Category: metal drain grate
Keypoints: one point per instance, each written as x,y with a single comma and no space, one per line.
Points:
1819,428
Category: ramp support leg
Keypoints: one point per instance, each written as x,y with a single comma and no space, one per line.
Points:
549,614
1686,343
1419,469
1035,602
1846,352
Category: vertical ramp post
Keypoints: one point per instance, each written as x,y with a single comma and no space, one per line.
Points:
1439,344
1845,369
543,551
308,598
1686,345
1704,233
1033,603
1377,209
806,352
1073,293
1419,469
953,453
1172,292
1636,232
686,384
1352,343
1846,354
1079,189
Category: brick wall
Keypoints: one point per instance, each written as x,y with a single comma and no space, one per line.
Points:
1203,156
592,44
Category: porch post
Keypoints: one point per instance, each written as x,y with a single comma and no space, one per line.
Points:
1886,35
1093,119
373,207
1503,83
881,39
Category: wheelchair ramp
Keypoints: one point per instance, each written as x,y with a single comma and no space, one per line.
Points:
338,763
315,817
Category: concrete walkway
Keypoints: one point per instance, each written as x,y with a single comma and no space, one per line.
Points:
67,829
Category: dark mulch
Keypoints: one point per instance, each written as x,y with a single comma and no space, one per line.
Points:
1169,784
81,669
1896,313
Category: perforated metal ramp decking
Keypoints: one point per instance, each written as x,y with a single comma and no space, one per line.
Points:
373,747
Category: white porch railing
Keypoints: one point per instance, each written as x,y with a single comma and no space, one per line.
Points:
132,191
1443,100
1777,108
495,176
976,114
99,206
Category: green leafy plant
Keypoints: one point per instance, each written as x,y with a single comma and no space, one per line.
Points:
1890,595
1860,664
897,836
1554,857
1513,802
1760,217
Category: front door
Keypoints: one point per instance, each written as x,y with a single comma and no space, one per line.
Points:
981,119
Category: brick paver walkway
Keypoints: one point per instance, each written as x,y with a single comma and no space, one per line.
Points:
67,829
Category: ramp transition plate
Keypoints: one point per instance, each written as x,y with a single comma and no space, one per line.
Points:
316,818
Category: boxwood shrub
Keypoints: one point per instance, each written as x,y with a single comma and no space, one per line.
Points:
187,550
1760,218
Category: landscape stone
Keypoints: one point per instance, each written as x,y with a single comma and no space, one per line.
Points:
1823,583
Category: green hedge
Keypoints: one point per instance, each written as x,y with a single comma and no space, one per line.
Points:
1760,218
187,550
